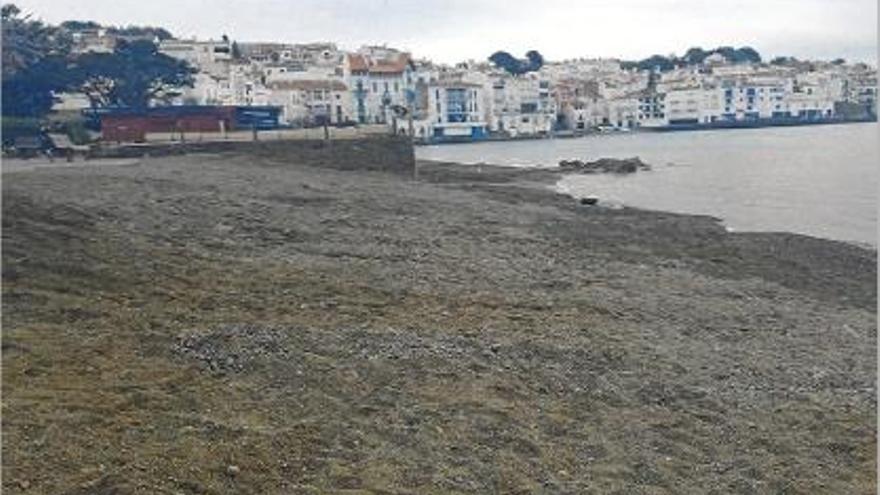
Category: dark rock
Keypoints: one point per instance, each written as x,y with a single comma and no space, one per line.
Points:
605,165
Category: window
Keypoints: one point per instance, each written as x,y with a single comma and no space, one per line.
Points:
396,87
456,105
375,88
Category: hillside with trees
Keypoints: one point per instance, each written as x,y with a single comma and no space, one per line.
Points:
694,56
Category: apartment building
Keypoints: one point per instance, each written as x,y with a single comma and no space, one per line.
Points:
580,106
379,79
306,103
522,106
209,56
452,112
651,108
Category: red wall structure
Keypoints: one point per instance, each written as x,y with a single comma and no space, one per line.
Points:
134,127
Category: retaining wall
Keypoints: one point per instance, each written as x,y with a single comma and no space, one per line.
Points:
381,153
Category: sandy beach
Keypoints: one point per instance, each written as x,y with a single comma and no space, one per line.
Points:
236,324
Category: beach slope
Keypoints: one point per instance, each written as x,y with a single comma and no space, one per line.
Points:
231,324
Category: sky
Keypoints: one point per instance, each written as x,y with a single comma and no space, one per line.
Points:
450,31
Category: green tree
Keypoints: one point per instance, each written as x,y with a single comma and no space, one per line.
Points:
695,56
144,32
132,76
26,41
34,63
746,54
783,60
504,60
29,92
77,26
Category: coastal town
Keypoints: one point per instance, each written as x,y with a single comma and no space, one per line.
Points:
316,84
238,267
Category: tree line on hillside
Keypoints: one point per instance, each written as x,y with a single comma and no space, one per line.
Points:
161,34
694,56
38,62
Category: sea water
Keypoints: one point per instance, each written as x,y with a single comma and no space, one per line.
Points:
817,180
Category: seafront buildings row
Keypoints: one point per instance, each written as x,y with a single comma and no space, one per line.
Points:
318,83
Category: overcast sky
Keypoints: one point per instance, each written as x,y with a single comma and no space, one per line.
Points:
455,30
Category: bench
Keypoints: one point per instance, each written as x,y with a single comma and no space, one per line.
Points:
28,146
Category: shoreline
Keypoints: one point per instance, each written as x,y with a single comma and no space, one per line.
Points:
287,327
554,177
648,130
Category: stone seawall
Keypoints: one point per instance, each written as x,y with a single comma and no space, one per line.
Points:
379,153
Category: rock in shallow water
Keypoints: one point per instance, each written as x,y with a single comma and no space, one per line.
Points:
605,165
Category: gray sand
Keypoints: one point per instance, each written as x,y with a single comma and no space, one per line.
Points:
221,324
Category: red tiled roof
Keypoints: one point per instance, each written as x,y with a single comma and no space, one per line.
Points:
357,63
362,63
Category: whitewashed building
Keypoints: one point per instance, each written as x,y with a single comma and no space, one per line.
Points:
307,103
92,41
451,110
379,80
522,106
208,56
579,105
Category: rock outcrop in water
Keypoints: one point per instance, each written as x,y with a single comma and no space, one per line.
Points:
605,165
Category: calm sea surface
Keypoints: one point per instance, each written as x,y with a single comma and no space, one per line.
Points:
815,180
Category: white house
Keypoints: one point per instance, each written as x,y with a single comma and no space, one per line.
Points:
311,102
240,84
651,108
522,105
580,106
451,110
92,41
622,112
208,56
693,104
379,80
